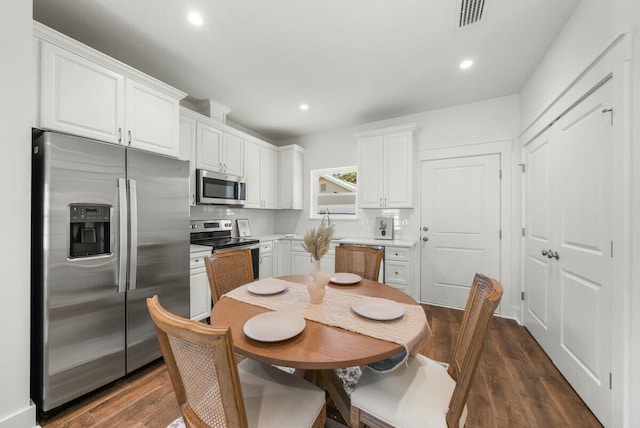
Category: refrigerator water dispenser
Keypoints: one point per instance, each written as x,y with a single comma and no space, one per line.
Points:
89,230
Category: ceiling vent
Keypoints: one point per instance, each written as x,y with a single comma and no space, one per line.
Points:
471,12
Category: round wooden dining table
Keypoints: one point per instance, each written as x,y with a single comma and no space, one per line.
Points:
319,348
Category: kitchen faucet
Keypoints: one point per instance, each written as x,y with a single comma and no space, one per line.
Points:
326,215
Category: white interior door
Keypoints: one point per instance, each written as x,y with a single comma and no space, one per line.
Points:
460,200
568,308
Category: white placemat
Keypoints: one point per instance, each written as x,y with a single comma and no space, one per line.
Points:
335,310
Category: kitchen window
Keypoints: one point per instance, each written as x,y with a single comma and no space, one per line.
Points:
334,191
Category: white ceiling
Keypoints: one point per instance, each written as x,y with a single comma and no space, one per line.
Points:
352,61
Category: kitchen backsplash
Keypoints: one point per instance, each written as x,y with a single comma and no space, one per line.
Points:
405,225
266,222
260,221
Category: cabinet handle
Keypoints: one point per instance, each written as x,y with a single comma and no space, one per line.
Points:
220,166
291,204
119,135
129,132
225,167
380,202
385,201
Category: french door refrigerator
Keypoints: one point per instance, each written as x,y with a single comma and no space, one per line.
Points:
109,229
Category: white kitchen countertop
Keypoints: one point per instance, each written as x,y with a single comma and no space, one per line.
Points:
359,241
198,248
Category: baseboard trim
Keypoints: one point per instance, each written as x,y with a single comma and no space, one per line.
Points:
25,418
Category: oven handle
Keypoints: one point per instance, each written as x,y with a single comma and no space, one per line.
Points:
239,247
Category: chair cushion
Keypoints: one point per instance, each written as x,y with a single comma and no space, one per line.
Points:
274,398
416,395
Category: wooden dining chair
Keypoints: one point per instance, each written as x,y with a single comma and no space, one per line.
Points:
363,261
212,391
425,393
228,270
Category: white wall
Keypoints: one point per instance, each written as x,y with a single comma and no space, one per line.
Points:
15,190
583,37
491,120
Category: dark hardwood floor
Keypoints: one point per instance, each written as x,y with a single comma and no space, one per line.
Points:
516,385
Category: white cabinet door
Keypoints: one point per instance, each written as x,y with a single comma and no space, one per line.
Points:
232,154
266,265
370,172
397,156
269,178
151,119
188,139
328,263
252,175
281,257
200,297
290,177
300,263
209,148
80,97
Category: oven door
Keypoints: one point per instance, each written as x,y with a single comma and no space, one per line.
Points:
216,188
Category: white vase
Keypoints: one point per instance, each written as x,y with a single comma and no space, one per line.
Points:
317,287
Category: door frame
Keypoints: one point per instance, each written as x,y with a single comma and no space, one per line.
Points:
510,304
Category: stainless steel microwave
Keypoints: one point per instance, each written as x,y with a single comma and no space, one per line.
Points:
219,188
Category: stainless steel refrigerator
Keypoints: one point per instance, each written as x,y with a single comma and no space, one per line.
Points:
109,229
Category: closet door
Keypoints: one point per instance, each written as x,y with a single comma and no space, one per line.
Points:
568,258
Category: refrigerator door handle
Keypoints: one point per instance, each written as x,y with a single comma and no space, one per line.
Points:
133,224
122,225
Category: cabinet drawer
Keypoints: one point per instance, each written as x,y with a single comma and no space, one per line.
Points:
299,246
266,247
397,253
397,273
197,260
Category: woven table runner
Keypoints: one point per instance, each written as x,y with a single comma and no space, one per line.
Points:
335,310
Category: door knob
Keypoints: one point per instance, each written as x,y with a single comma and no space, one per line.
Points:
425,228
550,253
425,238
555,255
545,252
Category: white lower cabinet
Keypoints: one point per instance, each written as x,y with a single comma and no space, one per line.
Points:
266,259
200,293
301,259
281,257
397,268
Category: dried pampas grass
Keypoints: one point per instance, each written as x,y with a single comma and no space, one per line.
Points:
316,241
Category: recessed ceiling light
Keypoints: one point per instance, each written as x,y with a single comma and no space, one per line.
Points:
466,64
304,107
195,18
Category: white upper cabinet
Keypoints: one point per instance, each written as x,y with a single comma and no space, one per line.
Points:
261,175
385,167
209,148
232,152
151,119
188,138
269,178
80,97
219,151
86,93
291,177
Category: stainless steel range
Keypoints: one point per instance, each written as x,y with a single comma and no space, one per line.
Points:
217,235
